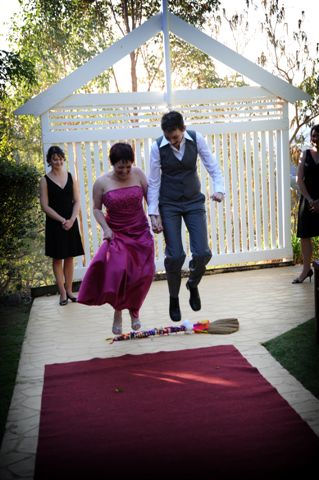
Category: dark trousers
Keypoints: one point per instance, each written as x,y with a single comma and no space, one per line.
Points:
194,215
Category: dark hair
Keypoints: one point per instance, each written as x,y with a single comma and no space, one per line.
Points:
54,150
314,128
172,121
121,151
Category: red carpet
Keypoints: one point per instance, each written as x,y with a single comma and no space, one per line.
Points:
204,413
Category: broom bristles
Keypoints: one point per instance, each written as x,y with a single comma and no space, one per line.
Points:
224,326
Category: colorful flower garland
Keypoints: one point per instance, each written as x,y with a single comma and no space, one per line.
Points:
186,327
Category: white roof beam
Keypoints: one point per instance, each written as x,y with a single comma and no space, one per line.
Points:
91,69
234,60
167,54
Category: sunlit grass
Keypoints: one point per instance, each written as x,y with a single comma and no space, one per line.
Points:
298,352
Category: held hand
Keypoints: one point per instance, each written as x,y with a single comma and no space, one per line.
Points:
156,222
217,197
107,234
314,206
68,224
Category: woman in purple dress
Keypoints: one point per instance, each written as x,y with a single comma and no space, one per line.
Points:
122,269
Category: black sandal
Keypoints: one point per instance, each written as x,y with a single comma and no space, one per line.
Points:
63,302
73,299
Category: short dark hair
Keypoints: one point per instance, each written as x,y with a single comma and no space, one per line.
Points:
54,150
172,121
314,128
121,151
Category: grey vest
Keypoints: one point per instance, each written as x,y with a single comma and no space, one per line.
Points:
179,179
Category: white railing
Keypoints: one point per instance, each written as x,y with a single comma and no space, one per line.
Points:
246,128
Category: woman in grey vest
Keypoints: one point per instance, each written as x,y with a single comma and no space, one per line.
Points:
174,194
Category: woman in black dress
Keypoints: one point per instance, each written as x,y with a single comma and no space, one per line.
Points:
59,198
308,215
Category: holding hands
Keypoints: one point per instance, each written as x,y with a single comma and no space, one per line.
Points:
217,197
156,222
107,234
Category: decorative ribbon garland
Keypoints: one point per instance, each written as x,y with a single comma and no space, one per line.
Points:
186,327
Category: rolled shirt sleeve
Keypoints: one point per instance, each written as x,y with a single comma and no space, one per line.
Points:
154,180
211,165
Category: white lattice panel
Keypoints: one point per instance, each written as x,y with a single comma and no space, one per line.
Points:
129,116
247,135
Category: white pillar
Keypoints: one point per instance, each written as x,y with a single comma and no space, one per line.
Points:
167,56
286,182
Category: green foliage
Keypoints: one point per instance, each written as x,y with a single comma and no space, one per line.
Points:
16,74
192,11
19,136
191,67
195,12
14,70
13,322
62,35
18,221
52,31
296,248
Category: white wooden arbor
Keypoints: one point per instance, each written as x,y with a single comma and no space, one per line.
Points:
247,129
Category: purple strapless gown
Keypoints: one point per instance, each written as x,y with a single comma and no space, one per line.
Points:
122,269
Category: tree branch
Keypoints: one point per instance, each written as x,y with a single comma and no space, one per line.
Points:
115,18
115,80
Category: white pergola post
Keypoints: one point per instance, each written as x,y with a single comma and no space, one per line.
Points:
167,55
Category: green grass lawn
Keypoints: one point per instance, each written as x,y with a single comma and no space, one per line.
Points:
298,352
13,322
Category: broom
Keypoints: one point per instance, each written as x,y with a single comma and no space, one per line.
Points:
222,327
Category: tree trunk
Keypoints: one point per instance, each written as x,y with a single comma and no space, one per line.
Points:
133,72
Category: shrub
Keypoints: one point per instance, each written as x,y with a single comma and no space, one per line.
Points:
18,220
296,248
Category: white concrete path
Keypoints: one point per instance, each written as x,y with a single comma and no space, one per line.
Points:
264,301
